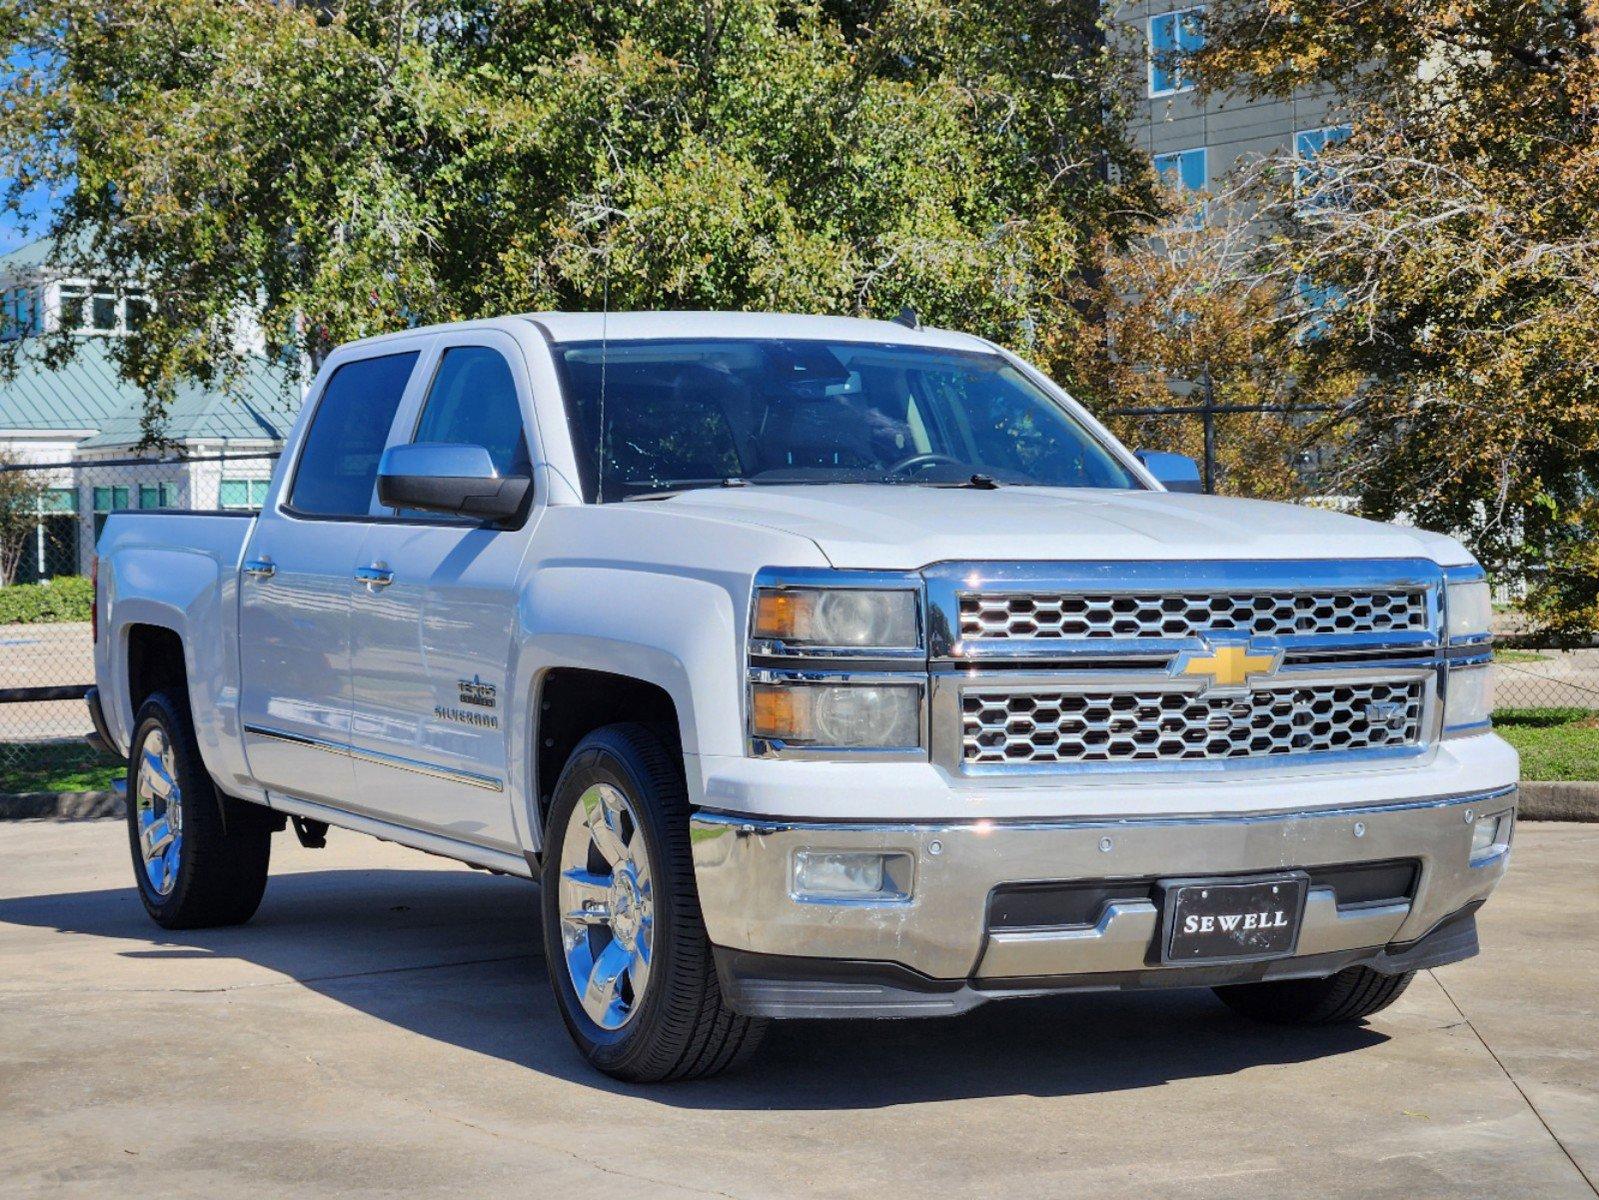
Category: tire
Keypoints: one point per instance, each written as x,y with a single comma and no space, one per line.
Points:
1342,999
654,1010
209,873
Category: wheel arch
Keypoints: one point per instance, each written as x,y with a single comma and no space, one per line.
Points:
570,702
155,660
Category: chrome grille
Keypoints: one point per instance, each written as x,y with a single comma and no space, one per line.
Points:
1277,613
1088,725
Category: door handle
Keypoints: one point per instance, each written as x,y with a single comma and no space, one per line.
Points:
260,568
374,577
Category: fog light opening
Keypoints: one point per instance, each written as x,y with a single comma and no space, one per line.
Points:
852,876
1490,836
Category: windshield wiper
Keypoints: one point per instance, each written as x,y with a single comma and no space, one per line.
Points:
977,482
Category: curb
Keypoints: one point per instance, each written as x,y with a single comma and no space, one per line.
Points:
1559,802
60,806
1538,802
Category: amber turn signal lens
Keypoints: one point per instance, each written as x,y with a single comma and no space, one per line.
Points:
780,616
774,712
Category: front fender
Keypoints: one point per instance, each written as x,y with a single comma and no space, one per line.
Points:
678,632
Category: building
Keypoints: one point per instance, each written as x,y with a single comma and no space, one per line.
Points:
1194,141
79,426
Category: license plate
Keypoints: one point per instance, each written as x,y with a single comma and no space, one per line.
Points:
1234,919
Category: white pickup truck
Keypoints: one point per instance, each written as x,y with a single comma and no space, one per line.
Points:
816,668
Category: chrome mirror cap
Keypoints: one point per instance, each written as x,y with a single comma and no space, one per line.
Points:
1176,472
445,477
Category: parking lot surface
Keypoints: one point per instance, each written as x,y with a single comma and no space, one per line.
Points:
384,1027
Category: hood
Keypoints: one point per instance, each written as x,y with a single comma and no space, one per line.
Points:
904,527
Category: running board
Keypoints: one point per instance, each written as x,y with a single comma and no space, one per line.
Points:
416,839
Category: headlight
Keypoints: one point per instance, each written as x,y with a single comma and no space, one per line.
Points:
847,716
846,618
1469,608
1469,702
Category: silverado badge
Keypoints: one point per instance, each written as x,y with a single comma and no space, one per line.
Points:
474,694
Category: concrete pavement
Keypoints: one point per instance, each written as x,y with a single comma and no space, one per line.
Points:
384,1027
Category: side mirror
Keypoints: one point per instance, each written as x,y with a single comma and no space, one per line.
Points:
443,477
1177,471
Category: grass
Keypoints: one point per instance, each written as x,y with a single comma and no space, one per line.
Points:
56,767
1555,743
1519,656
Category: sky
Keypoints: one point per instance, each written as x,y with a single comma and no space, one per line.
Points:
12,235
38,202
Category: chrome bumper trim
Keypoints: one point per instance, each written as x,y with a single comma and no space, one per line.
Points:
743,867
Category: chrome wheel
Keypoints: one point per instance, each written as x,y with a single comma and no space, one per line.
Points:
159,803
607,906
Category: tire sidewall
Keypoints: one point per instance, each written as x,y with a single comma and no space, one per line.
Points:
610,762
158,713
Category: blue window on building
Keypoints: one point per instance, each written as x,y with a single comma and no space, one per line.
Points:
158,495
108,500
242,493
1185,169
1309,144
1172,37
1315,301
19,313
1189,172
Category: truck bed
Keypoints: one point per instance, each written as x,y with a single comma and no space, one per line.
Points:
178,571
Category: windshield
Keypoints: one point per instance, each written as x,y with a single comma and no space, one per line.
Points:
700,413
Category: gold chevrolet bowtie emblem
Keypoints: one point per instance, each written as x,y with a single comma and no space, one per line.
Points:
1230,666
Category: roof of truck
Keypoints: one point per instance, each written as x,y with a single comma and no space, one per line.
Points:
591,326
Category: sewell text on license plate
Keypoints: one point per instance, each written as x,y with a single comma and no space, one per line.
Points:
1233,919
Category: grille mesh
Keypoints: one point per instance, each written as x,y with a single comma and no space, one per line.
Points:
1106,726
1178,615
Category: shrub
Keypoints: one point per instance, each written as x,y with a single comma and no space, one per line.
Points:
67,598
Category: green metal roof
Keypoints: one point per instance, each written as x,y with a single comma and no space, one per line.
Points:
88,394
27,259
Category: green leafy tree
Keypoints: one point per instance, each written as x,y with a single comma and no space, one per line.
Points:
20,497
1450,243
342,168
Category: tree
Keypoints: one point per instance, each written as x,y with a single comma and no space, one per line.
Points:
1186,310
1452,240
352,166
20,494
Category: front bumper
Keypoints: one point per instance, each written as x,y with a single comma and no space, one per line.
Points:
943,940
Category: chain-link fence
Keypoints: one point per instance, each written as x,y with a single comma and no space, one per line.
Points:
1531,675
51,515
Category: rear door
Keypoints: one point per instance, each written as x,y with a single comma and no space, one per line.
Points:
297,587
433,631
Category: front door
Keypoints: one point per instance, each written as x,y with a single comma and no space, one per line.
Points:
433,630
298,587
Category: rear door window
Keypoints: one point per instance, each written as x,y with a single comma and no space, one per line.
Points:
339,464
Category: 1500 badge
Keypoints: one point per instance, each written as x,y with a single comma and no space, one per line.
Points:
475,693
